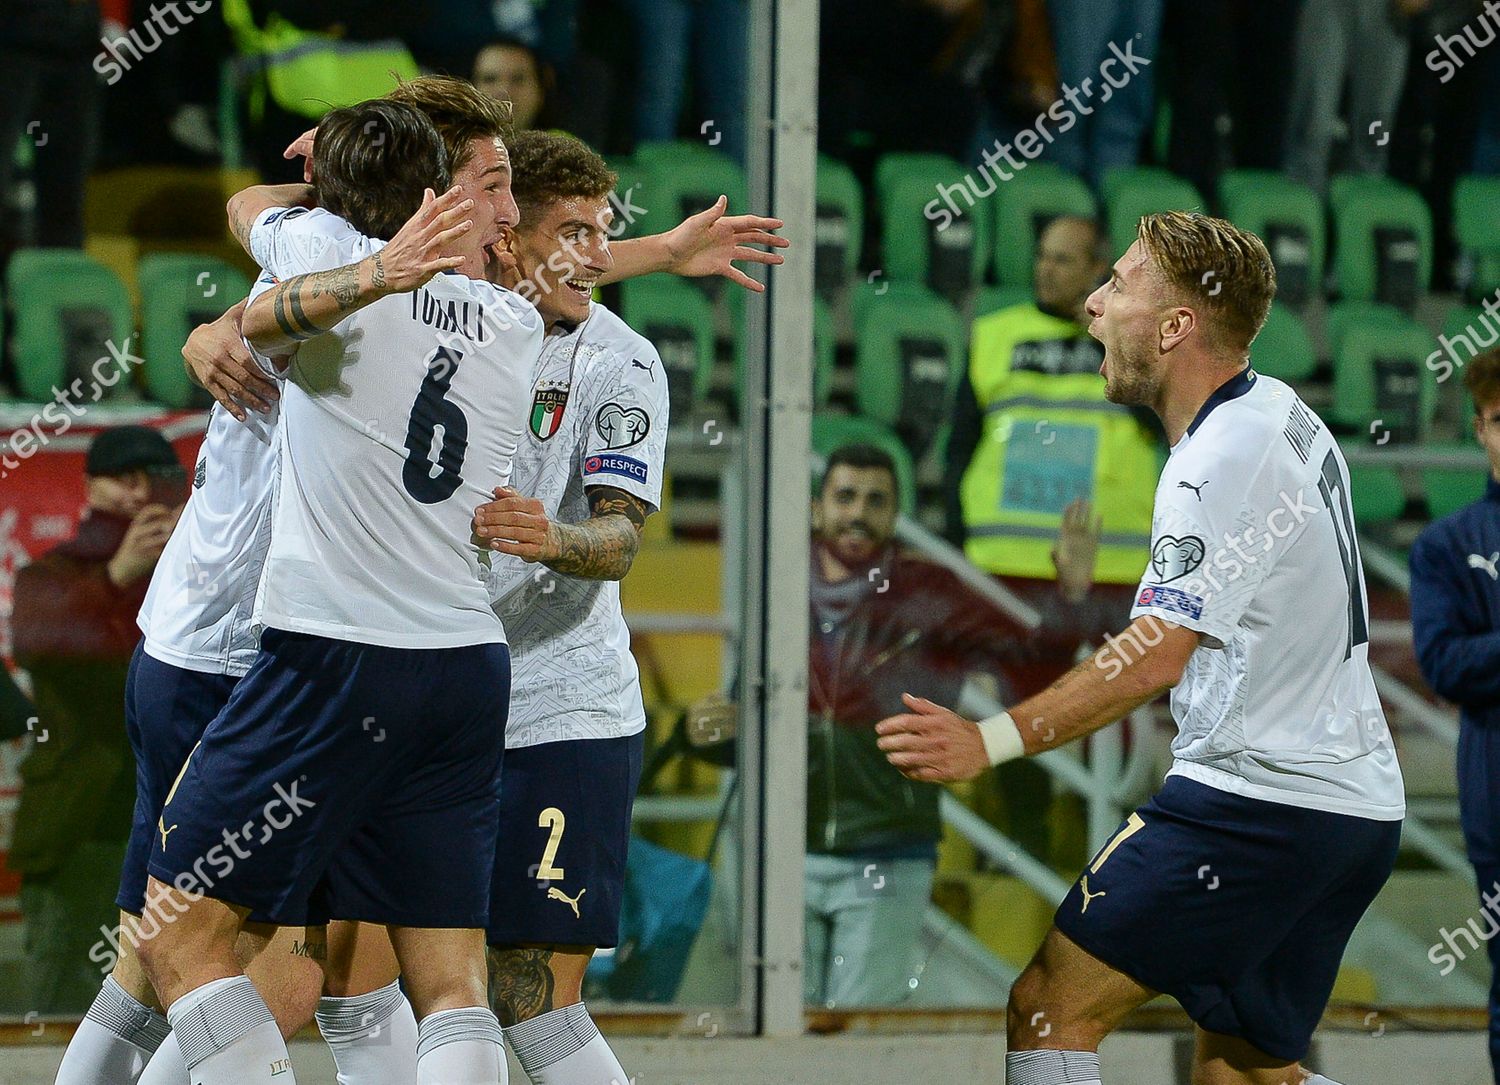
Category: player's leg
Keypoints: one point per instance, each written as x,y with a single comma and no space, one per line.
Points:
123,1028
536,992
458,1037
876,930
1230,1060
1061,1007
364,1015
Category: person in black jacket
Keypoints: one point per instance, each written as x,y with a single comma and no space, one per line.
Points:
883,620
1455,619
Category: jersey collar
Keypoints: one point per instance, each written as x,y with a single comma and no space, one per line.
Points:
1233,388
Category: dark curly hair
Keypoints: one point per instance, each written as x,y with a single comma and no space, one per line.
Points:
546,167
372,161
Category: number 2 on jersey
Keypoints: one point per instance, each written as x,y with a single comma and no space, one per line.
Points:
1331,486
551,818
426,478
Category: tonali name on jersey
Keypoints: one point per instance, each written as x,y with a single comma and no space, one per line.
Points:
597,416
1253,546
462,318
393,432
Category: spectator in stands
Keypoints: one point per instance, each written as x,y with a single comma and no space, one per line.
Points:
1032,434
73,627
884,619
51,101
514,73
1352,50
711,34
1090,36
1455,618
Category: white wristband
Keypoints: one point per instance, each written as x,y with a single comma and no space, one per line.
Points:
1002,738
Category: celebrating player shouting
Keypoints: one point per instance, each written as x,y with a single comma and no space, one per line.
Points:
1236,888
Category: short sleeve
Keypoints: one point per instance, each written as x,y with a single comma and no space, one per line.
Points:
1215,538
625,443
289,241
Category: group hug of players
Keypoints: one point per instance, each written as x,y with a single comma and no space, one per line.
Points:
430,442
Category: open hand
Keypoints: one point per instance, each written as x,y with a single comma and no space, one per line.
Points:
710,242
931,743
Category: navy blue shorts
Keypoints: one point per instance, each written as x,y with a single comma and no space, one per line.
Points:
346,781
560,864
1239,909
167,709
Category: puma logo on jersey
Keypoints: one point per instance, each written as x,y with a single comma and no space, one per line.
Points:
1196,489
649,368
1488,564
161,827
554,893
1087,896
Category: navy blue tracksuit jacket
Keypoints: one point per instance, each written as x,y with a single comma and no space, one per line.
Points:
1455,617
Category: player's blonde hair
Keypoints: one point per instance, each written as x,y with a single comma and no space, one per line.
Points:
1224,271
459,110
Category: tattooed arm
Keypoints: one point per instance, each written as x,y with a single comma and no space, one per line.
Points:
601,548
249,204
307,305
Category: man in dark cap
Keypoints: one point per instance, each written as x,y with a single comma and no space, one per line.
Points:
73,627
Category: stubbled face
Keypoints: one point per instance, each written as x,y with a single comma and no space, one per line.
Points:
509,74
855,514
562,254
124,494
485,179
1487,430
1125,315
1066,268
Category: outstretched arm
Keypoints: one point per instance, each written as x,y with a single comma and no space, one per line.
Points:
249,204
600,548
308,305
708,243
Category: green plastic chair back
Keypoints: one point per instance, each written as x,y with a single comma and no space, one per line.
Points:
839,227
1476,224
683,178
66,310
1289,218
922,240
1383,389
1350,314
1283,348
679,322
1023,207
909,352
1363,208
825,345
1130,193
1375,491
1448,489
832,431
179,291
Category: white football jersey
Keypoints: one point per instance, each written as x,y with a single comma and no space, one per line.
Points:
1253,546
199,608
598,418
396,425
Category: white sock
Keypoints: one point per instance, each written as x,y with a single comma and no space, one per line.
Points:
563,1047
228,1036
166,1066
373,1037
1052,1068
460,1047
115,1040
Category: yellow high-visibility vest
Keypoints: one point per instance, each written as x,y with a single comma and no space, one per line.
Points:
1050,436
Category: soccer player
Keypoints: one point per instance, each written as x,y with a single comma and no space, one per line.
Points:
355,769
1236,888
590,469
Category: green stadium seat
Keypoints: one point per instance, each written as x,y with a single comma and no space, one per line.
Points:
910,348
66,310
831,431
839,228
634,182
825,343
1131,192
1023,207
1466,332
1477,227
683,178
1375,490
1383,390
679,322
1349,314
1289,218
1449,489
922,240
991,299
1382,248
179,291
1283,348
